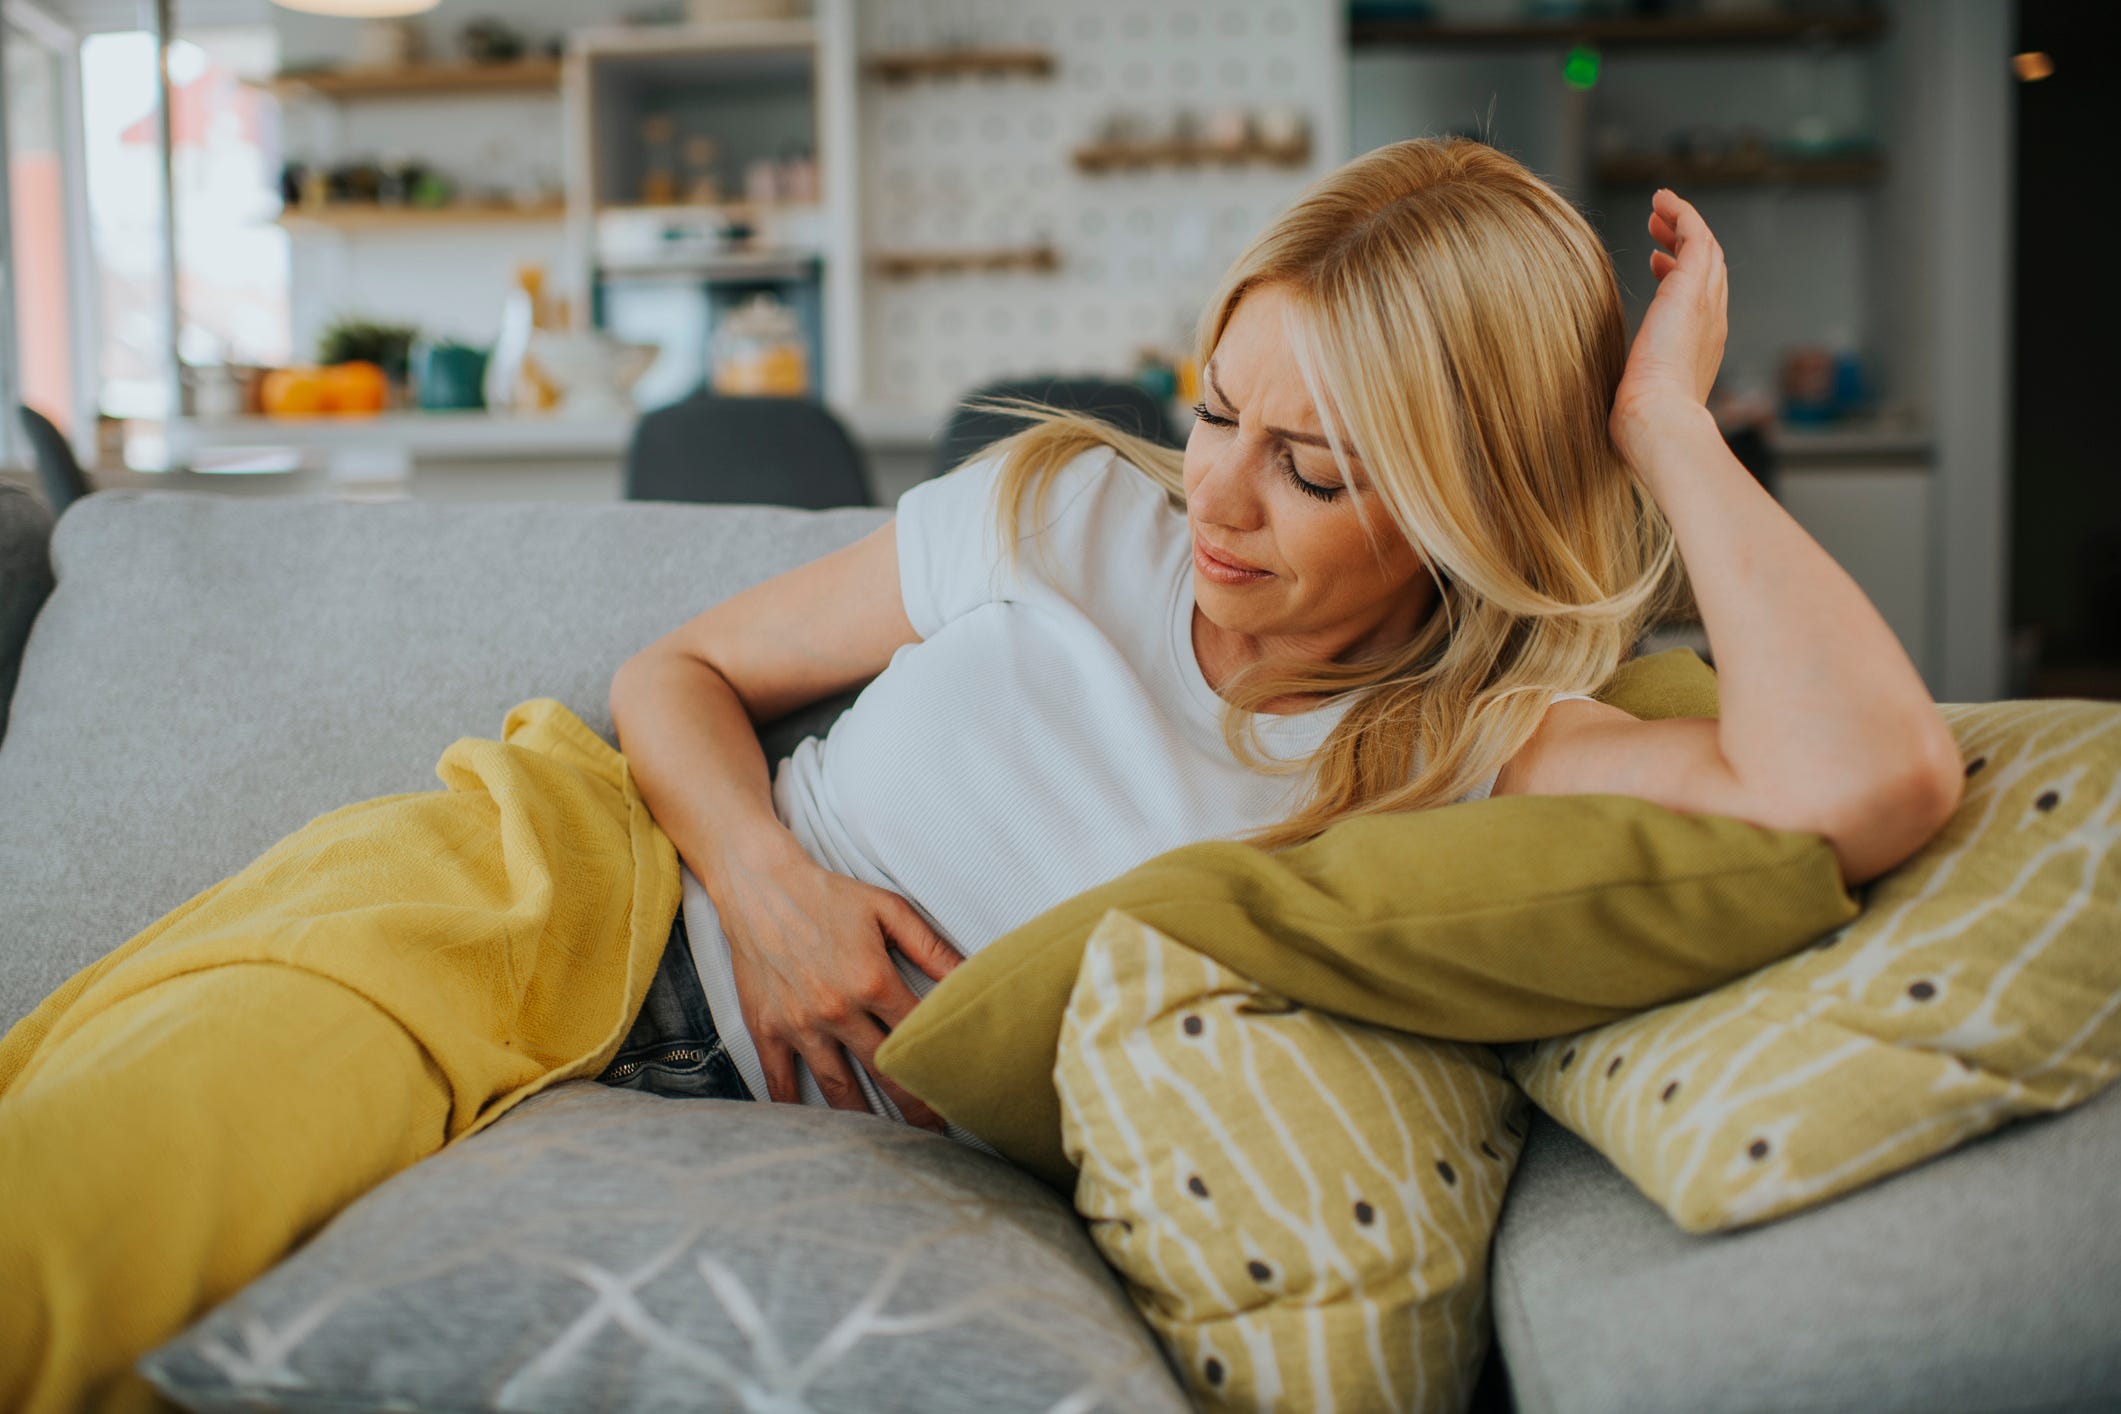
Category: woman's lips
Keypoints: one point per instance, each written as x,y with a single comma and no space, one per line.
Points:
1221,571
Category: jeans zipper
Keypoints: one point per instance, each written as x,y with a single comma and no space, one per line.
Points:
622,1071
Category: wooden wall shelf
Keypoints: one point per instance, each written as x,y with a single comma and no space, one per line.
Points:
1680,172
936,63
744,40
906,264
361,216
524,76
1121,156
739,209
1766,28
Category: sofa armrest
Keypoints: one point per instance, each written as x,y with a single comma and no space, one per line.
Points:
25,580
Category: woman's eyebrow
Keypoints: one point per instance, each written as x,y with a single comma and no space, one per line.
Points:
1309,439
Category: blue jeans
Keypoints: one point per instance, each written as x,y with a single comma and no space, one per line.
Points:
673,1048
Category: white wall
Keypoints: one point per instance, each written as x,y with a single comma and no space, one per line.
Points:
985,162
1509,99
450,283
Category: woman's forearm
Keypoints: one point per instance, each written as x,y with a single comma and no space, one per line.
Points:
1819,700
696,757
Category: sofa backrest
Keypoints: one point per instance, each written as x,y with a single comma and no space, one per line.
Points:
213,671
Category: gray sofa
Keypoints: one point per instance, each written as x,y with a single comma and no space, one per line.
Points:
210,673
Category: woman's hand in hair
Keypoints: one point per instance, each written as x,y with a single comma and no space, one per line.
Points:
1676,353
810,949
1826,727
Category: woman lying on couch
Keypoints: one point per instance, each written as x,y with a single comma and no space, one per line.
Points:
1430,502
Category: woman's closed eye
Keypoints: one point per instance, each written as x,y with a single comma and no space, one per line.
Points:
1288,462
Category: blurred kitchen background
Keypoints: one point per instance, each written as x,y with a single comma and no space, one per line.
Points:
766,249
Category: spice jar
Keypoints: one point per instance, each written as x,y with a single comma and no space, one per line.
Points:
759,351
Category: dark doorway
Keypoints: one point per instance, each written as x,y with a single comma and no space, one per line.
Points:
2066,453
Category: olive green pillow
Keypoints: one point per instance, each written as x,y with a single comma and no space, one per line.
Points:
1426,921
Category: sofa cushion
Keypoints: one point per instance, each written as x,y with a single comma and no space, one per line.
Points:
1301,1204
1981,982
25,579
213,671
614,1250
1982,1280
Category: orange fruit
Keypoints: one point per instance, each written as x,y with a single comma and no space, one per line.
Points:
356,387
293,392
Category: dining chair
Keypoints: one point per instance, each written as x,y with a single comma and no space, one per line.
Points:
61,476
748,451
972,426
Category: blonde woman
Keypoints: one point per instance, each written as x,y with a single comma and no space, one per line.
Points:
1430,502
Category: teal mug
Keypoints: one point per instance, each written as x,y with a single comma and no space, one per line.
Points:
449,376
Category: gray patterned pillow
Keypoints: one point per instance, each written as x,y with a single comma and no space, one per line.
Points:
614,1250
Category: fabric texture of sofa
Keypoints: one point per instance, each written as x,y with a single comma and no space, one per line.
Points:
210,673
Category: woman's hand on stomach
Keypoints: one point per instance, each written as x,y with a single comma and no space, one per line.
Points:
811,953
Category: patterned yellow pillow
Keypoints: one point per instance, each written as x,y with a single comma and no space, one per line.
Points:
1981,982
1301,1205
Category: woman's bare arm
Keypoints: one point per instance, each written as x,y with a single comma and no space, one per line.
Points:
1825,725
694,751
687,707
809,946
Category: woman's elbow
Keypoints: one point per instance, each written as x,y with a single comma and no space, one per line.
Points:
1875,830
624,685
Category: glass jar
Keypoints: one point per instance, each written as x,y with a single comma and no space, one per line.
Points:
759,352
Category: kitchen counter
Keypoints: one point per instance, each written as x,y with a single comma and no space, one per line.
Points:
1857,441
465,455
483,436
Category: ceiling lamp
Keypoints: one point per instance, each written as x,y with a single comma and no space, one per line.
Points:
359,9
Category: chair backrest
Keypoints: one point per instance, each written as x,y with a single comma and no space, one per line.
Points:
58,472
747,451
1122,404
25,580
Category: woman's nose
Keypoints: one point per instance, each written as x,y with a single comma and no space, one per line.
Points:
1225,495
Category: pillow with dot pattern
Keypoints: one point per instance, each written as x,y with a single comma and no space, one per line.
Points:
1980,982
1300,1204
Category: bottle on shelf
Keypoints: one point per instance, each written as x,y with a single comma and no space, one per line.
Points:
513,380
659,166
759,352
703,185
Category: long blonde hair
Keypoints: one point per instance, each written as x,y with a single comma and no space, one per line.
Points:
1462,323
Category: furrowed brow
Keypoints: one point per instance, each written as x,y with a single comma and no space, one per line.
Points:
1309,439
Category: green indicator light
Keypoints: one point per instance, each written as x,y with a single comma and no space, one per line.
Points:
1580,69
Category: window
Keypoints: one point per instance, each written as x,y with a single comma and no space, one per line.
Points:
40,356
231,260
37,202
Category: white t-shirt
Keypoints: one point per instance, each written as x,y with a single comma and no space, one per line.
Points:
1051,730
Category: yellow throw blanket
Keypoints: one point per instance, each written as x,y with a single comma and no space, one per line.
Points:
392,976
